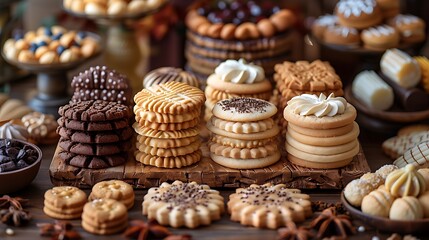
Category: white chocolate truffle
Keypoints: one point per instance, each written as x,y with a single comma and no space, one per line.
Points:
374,179
400,68
371,90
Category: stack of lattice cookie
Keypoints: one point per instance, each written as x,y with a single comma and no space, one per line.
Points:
243,133
167,123
94,134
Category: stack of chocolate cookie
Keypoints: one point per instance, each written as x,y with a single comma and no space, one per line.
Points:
321,131
94,134
167,123
102,83
243,133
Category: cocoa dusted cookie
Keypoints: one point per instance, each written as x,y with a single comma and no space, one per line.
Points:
95,111
96,137
94,149
93,162
92,126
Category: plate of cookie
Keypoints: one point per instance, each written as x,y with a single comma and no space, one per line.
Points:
391,199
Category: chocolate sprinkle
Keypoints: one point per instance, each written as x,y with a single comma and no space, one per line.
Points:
267,196
244,105
183,196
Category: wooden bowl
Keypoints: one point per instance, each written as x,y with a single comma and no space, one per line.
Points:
394,115
385,224
18,179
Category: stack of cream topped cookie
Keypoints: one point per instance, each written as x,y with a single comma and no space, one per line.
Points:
243,133
167,123
236,79
321,131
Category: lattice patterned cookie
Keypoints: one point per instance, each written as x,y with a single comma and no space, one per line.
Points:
394,147
183,204
268,205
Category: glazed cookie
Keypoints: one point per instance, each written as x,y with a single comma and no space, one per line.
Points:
359,14
104,216
41,127
143,115
93,162
169,152
170,98
113,189
244,109
169,74
168,162
268,205
95,137
64,202
380,37
153,133
94,111
183,204
94,149
92,126
166,143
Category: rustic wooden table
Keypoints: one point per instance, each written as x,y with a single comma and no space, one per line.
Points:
223,229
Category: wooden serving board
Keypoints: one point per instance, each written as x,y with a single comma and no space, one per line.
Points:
208,172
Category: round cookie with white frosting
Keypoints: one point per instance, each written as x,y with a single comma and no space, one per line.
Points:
380,37
244,109
411,28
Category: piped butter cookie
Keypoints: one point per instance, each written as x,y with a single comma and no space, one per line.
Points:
64,202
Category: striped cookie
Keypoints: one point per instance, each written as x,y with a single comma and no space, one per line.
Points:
153,133
169,152
166,143
418,156
236,143
168,162
168,126
144,115
243,153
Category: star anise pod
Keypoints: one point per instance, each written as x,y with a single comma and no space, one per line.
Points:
60,230
141,230
7,201
14,217
318,206
328,224
179,237
292,232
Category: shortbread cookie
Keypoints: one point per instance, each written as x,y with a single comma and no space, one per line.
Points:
183,204
168,126
406,209
322,133
244,109
356,190
418,156
169,74
170,98
96,137
331,112
377,203
272,132
243,127
166,143
256,87
412,129
319,165
93,162
95,111
168,162
250,163
321,150
64,198
394,147
237,143
104,216
149,132
114,189
344,156
243,153
268,205
92,126
169,152
305,76
101,149
326,141
144,115
217,95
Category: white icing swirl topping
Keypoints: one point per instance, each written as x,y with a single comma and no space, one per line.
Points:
378,31
327,20
355,7
405,19
240,72
310,104
13,131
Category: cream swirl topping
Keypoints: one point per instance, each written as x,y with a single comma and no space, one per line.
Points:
13,131
240,72
308,104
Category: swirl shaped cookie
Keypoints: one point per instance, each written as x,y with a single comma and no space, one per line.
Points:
183,204
268,205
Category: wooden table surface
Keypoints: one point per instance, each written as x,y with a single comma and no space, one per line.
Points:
223,229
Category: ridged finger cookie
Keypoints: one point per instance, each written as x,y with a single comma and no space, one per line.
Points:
168,162
243,153
169,152
418,156
166,143
394,147
170,98
148,132
237,143
243,127
168,126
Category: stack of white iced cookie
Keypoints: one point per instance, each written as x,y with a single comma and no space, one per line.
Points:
243,133
167,124
236,79
321,131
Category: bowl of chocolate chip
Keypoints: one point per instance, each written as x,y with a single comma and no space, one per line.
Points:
19,164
